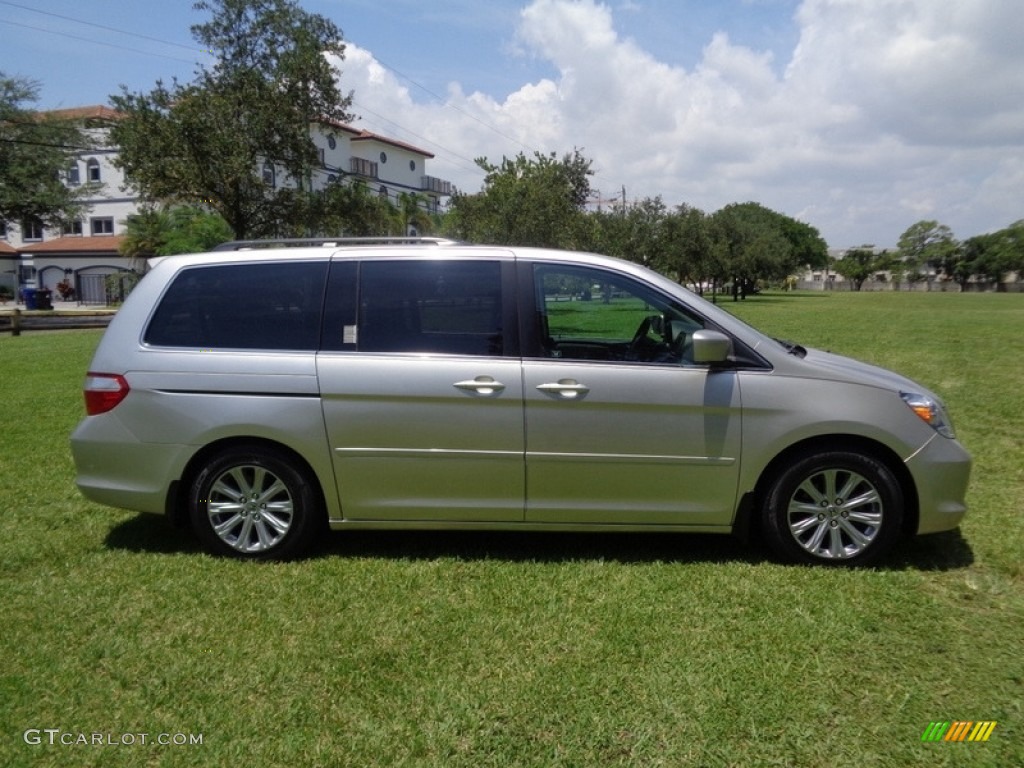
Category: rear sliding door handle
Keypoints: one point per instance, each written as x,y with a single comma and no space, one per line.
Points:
481,385
567,389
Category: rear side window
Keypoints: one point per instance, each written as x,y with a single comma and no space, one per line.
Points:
242,306
445,307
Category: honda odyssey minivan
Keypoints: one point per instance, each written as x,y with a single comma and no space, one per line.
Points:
264,392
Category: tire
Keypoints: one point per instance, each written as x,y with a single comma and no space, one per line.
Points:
256,503
834,508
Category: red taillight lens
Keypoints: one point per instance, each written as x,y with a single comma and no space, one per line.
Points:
103,391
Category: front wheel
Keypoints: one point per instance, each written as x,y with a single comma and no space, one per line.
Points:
254,502
838,508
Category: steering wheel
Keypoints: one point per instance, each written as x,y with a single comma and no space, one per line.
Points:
641,333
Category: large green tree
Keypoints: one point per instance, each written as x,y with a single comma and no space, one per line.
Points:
35,151
237,137
535,201
165,231
858,264
991,256
928,249
757,243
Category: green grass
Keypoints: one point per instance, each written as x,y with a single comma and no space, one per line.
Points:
447,649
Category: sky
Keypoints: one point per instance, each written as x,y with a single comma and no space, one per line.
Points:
858,117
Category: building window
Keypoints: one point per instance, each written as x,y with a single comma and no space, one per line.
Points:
92,169
362,167
269,176
74,177
321,156
383,157
383,193
71,227
31,229
412,165
103,225
3,229
331,141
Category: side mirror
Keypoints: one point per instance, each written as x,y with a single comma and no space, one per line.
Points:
711,347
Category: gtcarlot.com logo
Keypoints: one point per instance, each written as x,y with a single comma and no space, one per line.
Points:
959,730
58,737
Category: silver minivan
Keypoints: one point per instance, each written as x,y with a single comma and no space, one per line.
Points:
264,394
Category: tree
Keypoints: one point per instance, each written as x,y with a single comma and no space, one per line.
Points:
687,252
535,201
928,248
237,137
35,151
757,243
410,216
166,231
352,210
858,264
989,257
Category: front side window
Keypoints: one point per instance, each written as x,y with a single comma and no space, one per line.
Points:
92,168
242,306
74,178
591,314
443,307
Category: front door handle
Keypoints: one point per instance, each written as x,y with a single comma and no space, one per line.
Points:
567,389
481,385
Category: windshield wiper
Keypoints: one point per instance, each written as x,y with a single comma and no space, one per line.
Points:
793,348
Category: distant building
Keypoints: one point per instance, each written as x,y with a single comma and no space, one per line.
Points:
85,252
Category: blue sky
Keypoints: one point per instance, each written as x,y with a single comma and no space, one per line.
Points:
860,118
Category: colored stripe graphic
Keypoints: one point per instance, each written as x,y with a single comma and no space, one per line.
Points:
959,730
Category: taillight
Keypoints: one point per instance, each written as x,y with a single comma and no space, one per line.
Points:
103,392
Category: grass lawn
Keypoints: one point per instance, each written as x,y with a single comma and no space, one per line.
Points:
441,649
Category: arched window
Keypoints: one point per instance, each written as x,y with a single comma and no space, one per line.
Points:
92,169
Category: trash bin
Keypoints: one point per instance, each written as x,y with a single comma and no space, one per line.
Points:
44,298
29,295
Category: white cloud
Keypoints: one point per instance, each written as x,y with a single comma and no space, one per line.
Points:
885,112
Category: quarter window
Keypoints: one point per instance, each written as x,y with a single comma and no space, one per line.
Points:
242,306
445,307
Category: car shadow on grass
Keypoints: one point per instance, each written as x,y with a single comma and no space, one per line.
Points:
153,534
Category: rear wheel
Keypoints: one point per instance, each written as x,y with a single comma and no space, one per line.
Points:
838,508
254,502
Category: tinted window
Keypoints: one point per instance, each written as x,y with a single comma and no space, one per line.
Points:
447,307
591,314
242,306
340,308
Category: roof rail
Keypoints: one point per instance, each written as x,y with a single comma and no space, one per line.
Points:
329,242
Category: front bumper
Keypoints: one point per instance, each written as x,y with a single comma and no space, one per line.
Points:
941,472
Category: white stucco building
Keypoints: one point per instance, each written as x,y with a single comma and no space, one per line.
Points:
86,252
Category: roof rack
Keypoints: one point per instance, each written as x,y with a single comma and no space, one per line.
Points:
329,242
